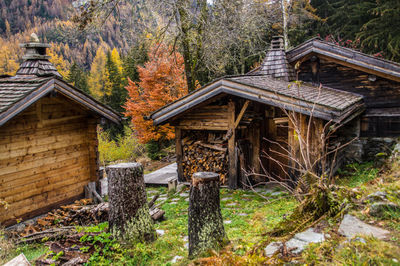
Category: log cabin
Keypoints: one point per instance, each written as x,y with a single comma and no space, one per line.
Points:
48,138
244,124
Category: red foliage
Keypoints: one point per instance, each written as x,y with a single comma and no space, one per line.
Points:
162,80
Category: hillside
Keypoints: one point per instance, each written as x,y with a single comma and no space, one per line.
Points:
51,21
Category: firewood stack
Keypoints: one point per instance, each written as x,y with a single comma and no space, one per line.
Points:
205,156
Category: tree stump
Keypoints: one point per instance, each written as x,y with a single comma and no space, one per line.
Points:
206,228
129,216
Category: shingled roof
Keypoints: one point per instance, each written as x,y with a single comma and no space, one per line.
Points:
345,56
275,63
321,102
36,78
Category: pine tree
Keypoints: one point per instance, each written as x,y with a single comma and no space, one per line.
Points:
137,56
78,78
114,72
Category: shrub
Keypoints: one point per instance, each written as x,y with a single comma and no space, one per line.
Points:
125,148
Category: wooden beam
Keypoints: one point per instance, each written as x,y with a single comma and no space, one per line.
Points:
179,153
244,107
232,183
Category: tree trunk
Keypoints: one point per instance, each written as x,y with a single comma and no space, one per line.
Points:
206,229
129,216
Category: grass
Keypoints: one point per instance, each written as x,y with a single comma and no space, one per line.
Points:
353,175
243,231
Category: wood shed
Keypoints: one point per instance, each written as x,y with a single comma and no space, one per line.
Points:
48,138
227,125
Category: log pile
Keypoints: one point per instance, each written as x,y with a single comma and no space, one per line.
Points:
205,156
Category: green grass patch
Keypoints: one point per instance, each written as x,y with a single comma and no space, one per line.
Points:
353,175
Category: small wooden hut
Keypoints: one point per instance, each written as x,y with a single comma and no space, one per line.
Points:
48,138
227,125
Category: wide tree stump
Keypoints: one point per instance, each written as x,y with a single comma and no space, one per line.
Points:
206,228
129,216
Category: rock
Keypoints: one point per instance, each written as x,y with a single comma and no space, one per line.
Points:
272,248
227,222
243,214
160,232
277,193
173,203
184,195
226,199
187,246
20,260
185,238
175,199
378,209
152,191
376,196
300,240
231,204
176,258
359,239
351,226
180,187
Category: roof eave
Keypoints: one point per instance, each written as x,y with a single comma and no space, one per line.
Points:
252,93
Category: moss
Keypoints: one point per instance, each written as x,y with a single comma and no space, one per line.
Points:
139,229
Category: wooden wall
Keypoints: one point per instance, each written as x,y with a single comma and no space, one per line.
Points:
381,93
47,154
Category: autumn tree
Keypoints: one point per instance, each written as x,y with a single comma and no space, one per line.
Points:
162,80
99,84
114,70
58,61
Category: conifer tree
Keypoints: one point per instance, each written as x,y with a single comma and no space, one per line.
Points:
78,78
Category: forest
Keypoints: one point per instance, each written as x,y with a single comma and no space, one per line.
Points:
138,56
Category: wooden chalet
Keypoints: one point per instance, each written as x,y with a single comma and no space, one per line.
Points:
48,138
228,124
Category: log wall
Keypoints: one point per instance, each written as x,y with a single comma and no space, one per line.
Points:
47,154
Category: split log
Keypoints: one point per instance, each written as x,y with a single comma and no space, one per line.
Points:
129,216
206,228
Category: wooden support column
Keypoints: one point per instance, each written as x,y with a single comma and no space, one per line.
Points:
255,140
233,181
179,154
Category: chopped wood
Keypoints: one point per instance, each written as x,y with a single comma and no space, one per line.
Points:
201,156
153,200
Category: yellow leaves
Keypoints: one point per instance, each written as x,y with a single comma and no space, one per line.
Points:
58,61
97,81
8,61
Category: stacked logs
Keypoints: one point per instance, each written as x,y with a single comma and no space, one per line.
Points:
200,156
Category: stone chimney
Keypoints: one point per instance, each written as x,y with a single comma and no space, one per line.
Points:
36,61
275,63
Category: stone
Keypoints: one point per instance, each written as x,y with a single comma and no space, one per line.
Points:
376,196
296,246
20,260
186,245
160,232
231,204
272,248
226,198
243,214
175,199
277,193
227,222
378,209
173,203
152,191
184,195
298,243
176,258
359,239
180,187
185,238
351,226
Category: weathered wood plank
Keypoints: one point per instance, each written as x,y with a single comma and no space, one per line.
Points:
231,147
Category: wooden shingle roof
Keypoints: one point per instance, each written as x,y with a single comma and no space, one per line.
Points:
36,78
345,56
325,103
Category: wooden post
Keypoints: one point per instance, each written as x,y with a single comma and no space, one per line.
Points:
206,228
179,154
231,147
129,216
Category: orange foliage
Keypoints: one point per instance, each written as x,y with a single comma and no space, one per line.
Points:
162,80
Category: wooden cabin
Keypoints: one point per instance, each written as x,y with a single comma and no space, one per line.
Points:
48,138
249,123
